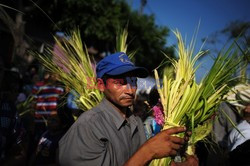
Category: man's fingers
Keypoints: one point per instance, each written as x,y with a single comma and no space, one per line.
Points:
175,130
176,146
177,140
173,152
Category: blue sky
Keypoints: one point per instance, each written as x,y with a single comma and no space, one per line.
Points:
185,15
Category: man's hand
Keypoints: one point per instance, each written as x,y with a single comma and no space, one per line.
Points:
161,145
190,161
164,144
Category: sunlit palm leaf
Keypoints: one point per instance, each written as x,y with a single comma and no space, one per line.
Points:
75,69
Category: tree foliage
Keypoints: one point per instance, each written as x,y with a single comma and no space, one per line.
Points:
99,22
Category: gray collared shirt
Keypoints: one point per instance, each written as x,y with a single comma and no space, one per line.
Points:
101,136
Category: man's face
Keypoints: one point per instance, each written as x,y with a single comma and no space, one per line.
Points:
121,91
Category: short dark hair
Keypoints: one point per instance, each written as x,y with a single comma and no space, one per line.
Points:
153,96
105,77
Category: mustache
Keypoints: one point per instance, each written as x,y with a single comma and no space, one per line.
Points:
128,97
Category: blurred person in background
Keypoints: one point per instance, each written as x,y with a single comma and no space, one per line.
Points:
58,123
236,138
46,95
239,142
30,77
239,138
12,149
149,109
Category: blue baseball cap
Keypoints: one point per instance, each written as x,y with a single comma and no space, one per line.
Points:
117,64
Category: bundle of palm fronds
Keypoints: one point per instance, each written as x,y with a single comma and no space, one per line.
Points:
187,103
71,62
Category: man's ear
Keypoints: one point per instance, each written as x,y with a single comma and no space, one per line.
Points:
100,84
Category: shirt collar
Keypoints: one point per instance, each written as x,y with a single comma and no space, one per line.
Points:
117,118
133,123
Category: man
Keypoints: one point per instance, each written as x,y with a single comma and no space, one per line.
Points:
240,144
236,138
109,134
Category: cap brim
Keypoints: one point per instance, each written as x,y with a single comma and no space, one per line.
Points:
140,72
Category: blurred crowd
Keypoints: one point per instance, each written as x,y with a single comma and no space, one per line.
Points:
34,116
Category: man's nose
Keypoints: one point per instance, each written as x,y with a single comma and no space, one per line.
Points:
130,88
